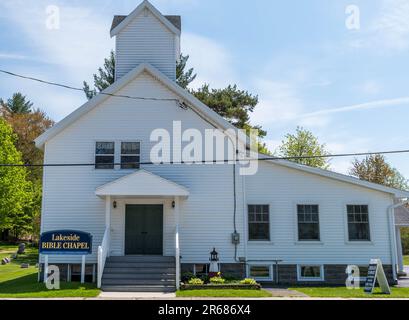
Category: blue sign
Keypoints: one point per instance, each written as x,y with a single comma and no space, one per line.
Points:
65,242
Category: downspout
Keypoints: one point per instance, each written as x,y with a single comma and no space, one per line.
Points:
392,232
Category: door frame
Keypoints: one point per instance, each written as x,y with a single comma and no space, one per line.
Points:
143,202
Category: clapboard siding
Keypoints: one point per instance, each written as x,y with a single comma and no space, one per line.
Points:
69,192
283,188
146,39
206,219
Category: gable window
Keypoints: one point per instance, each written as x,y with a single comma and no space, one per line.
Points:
259,222
310,273
130,155
104,155
358,223
308,222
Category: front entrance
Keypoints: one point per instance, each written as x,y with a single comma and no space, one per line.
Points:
144,230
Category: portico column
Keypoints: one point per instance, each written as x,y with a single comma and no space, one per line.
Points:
399,249
177,247
108,220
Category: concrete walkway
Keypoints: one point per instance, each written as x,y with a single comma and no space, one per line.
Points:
136,295
403,282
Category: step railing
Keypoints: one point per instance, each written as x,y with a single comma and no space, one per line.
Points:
177,258
103,250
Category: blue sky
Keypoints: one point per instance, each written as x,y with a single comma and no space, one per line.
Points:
350,87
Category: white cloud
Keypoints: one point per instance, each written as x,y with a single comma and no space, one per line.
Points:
277,102
212,61
370,87
389,30
363,106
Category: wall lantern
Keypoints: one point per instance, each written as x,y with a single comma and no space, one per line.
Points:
173,204
214,255
114,204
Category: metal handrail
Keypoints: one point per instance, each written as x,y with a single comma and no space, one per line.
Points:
103,250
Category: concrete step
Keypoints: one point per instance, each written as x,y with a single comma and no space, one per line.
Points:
146,271
145,282
153,265
137,288
138,276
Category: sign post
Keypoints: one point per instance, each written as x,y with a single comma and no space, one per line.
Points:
376,272
65,242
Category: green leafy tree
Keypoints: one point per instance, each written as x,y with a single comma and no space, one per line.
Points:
184,78
104,78
15,190
17,104
374,168
304,144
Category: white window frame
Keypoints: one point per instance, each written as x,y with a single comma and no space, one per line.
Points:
96,155
310,279
131,155
270,270
298,240
346,230
248,224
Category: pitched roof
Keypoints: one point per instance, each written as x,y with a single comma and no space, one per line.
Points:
144,184
173,23
211,116
175,20
338,176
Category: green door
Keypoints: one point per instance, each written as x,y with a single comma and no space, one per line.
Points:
144,229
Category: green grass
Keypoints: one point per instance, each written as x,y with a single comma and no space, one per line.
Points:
16,282
343,292
406,260
224,293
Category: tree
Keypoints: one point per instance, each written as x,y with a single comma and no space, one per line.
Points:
17,104
104,78
184,78
304,144
374,168
15,189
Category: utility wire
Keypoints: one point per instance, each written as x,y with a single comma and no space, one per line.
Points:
266,158
80,89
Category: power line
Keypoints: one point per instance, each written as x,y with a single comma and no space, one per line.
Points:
82,90
227,161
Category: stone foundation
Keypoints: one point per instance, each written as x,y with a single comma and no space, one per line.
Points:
334,275
72,272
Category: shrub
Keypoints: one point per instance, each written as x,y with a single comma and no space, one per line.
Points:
248,281
196,281
217,280
186,276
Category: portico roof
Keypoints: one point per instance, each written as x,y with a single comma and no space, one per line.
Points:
142,184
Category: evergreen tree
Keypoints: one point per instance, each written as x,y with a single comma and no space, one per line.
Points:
17,104
184,78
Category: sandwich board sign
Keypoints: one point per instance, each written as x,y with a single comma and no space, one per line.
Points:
376,272
70,242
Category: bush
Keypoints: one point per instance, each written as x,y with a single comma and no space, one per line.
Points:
196,281
186,276
217,280
248,281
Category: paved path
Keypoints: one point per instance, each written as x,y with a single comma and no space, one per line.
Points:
403,282
136,295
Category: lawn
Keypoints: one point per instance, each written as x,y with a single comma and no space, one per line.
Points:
406,260
16,282
224,293
343,292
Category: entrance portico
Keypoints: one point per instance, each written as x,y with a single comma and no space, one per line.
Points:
141,218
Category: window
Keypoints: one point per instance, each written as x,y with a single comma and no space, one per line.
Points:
259,222
130,155
104,155
308,222
259,272
310,273
358,223
200,269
